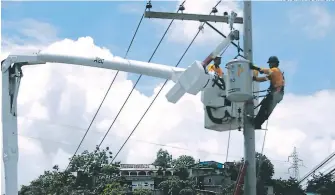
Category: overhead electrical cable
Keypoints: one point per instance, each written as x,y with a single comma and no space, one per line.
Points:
318,167
138,79
160,90
109,87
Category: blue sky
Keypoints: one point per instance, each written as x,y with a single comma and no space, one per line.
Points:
284,29
310,60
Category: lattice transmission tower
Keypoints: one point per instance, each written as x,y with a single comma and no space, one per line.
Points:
296,163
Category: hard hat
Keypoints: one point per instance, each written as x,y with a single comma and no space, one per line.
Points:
273,59
217,57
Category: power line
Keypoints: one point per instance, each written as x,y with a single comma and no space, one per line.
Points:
146,142
131,133
317,167
79,129
138,79
103,100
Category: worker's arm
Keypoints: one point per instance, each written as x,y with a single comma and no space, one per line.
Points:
253,67
260,79
267,71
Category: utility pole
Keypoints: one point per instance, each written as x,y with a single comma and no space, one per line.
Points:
248,128
295,163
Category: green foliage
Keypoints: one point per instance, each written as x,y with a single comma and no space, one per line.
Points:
88,173
287,187
163,159
92,173
181,165
114,188
174,185
321,184
142,192
264,168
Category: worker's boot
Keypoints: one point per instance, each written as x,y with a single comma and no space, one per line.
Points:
257,122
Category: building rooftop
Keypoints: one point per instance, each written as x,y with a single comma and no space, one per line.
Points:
210,163
139,167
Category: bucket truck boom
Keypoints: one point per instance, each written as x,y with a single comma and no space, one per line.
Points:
191,80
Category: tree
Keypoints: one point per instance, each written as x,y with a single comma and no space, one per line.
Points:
114,188
321,184
50,182
88,173
181,165
264,168
174,185
287,187
142,192
163,159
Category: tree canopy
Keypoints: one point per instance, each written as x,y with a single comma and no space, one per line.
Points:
92,173
321,184
163,159
89,173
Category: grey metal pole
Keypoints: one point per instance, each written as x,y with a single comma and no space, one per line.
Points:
248,129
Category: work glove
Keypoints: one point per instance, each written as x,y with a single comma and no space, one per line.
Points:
252,67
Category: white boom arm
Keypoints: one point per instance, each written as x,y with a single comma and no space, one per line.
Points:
114,63
195,78
11,77
191,80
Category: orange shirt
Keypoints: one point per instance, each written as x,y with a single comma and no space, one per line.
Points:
275,76
212,67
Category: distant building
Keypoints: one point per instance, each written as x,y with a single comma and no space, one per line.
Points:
141,176
210,176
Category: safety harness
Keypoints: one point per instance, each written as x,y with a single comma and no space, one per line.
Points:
269,91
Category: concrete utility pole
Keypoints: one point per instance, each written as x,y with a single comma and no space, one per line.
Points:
295,163
248,129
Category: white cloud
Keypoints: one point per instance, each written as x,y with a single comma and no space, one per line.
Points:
184,31
316,21
67,94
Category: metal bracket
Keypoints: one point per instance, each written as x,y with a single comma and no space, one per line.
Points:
15,75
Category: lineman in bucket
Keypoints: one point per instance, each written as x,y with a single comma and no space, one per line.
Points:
275,91
216,71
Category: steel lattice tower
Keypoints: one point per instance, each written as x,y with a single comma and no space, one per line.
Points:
295,163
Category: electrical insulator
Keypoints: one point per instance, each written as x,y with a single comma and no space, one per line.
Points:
181,8
149,6
214,10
